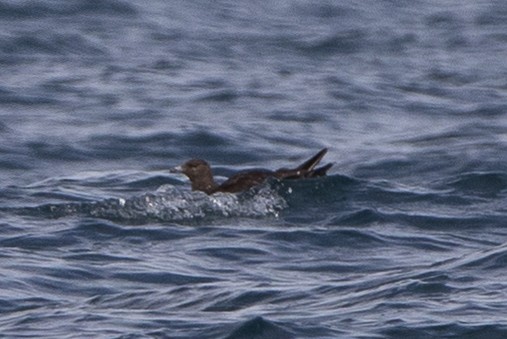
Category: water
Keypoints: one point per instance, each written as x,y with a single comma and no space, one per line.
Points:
405,238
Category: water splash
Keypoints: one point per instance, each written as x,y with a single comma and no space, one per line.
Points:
171,204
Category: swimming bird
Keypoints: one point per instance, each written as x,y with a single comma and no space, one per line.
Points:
201,177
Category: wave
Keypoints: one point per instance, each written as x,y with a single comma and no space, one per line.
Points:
491,259
170,204
35,10
480,183
454,330
56,43
333,201
260,328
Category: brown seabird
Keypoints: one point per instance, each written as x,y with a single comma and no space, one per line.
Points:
200,175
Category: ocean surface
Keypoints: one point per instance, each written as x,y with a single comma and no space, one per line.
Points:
406,237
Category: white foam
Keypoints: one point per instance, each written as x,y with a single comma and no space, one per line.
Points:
170,203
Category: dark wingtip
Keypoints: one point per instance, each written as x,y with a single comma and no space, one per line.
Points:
321,171
313,161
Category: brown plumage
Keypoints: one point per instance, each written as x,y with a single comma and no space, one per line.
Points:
200,175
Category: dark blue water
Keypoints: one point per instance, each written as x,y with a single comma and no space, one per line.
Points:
406,238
